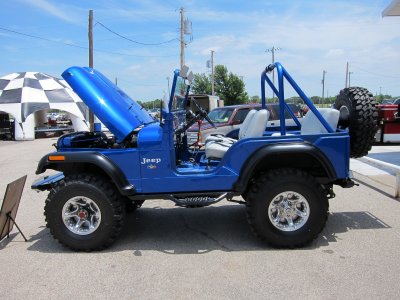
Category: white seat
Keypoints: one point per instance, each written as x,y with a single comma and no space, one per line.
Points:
242,130
254,128
312,125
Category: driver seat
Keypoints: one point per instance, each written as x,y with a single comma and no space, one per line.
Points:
242,131
255,127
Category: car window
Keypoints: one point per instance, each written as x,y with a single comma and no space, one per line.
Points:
295,109
241,115
387,101
220,115
274,111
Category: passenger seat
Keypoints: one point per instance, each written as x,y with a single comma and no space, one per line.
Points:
312,125
242,130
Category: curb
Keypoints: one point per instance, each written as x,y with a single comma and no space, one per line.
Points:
393,188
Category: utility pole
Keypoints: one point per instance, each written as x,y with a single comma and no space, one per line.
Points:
212,72
169,92
323,86
347,73
349,78
272,50
182,38
90,35
116,81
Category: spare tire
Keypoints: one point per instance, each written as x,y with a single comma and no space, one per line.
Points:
358,113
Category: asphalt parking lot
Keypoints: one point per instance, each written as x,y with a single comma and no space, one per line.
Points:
167,252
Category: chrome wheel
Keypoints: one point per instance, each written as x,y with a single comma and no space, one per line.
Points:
81,215
288,211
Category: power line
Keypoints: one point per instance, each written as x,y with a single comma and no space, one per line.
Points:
77,46
42,38
133,41
375,74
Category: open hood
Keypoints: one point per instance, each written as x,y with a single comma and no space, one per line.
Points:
109,103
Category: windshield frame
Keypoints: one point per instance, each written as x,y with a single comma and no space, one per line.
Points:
171,105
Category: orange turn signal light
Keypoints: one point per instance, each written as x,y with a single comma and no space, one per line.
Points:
56,157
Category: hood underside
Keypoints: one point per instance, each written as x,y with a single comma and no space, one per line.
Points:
110,104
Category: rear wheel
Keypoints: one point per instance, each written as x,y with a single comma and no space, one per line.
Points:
84,212
287,208
358,114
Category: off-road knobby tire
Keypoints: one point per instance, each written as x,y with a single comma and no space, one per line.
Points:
99,190
271,184
131,206
358,113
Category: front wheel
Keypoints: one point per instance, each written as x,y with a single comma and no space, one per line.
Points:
287,208
84,212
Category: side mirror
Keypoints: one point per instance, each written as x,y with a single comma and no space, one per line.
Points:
236,122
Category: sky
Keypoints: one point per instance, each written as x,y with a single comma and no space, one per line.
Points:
313,36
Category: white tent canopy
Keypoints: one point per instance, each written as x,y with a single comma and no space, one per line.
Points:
22,94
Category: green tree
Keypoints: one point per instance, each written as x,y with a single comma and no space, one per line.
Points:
315,100
201,84
227,85
150,104
382,97
295,100
255,99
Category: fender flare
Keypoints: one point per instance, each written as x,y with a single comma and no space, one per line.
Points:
89,157
282,148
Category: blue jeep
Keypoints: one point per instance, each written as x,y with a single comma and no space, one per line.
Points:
284,176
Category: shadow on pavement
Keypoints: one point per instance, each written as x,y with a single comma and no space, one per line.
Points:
342,222
202,230
7,240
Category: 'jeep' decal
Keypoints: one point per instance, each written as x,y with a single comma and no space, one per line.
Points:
150,161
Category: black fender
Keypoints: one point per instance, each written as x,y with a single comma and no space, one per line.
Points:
281,149
88,157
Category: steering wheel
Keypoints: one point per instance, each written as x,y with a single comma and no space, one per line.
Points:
203,113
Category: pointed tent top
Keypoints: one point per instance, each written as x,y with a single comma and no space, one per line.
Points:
23,93
392,10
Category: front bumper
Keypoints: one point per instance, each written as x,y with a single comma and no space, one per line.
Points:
46,182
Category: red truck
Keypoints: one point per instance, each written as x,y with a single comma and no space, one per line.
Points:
388,123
